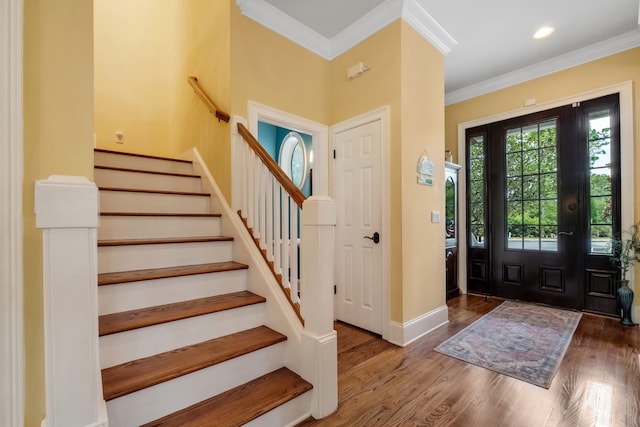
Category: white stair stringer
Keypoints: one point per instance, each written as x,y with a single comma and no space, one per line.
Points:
147,293
133,179
142,162
162,399
135,344
115,200
141,227
142,257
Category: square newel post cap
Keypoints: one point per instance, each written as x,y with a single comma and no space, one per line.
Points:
319,210
66,202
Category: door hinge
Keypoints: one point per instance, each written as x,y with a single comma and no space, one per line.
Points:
334,154
335,289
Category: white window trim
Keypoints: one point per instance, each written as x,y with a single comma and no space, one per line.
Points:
11,172
625,89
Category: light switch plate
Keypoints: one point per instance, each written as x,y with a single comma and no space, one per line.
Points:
435,217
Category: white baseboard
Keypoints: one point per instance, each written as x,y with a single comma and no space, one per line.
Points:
405,333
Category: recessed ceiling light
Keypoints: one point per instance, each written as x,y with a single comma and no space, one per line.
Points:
543,32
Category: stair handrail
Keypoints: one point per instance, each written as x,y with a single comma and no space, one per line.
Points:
275,169
213,108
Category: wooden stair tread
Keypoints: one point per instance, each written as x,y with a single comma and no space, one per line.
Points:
241,404
142,373
134,319
142,190
119,169
162,214
166,272
147,156
157,241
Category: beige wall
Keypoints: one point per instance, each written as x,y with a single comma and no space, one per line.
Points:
58,139
423,268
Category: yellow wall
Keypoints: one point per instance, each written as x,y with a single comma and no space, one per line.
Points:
200,41
132,69
272,70
58,139
144,52
378,87
422,81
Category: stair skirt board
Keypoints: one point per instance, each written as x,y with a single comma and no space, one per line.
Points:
141,257
140,227
132,161
165,398
136,201
146,180
143,342
147,293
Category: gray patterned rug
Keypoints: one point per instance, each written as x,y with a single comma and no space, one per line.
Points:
524,341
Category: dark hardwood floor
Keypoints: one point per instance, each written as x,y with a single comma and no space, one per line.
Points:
597,384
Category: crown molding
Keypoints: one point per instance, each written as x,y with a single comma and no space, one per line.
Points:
288,27
596,51
366,26
416,15
410,10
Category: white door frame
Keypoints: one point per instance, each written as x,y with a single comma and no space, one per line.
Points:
319,135
382,115
11,166
625,89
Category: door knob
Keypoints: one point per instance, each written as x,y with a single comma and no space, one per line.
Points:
566,233
375,237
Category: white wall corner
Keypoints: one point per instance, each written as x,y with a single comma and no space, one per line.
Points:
405,333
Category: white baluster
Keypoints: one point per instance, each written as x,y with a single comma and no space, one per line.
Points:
277,227
286,199
250,184
293,248
269,217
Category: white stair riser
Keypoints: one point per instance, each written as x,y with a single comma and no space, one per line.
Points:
148,293
143,342
140,257
129,227
145,181
154,402
138,162
127,201
287,415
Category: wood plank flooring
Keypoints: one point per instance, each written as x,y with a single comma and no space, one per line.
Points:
597,384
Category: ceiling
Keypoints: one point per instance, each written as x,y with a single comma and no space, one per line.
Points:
487,45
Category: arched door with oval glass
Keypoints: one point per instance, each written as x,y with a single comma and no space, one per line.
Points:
293,158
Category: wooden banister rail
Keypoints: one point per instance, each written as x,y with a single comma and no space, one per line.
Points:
273,167
213,108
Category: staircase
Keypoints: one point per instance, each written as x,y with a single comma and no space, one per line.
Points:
182,340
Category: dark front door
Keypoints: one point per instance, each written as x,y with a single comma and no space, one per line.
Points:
549,184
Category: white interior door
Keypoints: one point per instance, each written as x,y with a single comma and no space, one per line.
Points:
358,197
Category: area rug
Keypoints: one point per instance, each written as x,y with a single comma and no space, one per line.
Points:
524,341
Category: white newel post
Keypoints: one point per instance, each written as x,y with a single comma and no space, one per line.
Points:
319,338
67,212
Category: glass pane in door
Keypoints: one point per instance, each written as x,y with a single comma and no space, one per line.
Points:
531,194
600,188
477,194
